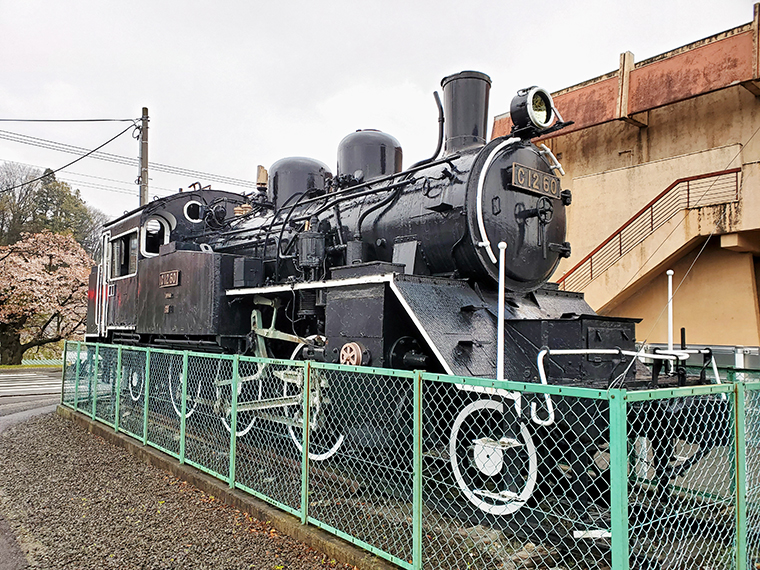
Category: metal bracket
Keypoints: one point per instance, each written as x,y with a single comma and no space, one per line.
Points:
554,163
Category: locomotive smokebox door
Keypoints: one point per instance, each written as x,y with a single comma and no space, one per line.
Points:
513,196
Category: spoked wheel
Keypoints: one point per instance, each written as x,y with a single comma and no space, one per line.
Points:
250,388
135,380
175,392
493,457
324,438
245,419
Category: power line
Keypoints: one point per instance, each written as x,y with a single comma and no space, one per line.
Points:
68,120
115,158
107,188
42,143
68,179
88,153
69,174
95,186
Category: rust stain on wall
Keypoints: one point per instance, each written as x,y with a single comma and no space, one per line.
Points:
691,73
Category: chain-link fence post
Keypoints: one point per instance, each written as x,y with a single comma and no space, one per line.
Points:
740,457
305,443
145,397
417,474
619,478
118,391
233,418
183,415
94,382
76,377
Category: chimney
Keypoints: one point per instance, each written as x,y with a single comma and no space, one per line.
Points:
465,104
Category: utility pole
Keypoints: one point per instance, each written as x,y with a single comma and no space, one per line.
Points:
144,158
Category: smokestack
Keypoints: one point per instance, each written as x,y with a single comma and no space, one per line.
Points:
465,103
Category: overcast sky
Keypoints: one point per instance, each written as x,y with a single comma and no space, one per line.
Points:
230,85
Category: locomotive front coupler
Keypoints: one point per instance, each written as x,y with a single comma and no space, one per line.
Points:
678,369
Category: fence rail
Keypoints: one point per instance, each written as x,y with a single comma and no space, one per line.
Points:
693,192
433,471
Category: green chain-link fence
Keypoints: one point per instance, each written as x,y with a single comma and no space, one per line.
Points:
432,471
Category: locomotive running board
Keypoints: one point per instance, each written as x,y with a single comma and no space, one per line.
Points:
449,316
269,289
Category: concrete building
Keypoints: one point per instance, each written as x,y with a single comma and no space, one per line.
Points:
664,165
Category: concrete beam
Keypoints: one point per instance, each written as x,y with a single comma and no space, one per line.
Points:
624,80
634,122
752,86
742,242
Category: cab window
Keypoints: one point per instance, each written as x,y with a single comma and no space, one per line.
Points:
155,233
124,255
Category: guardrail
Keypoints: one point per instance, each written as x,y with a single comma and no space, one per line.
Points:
433,471
685,193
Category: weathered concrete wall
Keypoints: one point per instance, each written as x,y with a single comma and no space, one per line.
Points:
668,244
693,72
714,302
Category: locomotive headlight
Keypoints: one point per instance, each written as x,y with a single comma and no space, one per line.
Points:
532,107
542,108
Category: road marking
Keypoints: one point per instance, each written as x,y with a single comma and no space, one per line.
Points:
25,389
29,383
23,375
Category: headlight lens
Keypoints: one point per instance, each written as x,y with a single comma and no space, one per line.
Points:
540,109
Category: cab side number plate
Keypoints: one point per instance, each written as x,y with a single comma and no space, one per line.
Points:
168,278
535,181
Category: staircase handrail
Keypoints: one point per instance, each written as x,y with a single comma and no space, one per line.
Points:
648,208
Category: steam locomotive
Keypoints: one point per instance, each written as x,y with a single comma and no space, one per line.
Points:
382,266
387,267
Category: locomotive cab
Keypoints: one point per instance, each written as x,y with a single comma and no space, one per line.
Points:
128,246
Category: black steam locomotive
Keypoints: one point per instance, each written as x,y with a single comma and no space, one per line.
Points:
381,266
375,266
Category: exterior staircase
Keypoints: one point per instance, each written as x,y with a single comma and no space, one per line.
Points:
671,223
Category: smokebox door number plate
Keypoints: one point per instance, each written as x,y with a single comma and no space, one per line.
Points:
168,278
535,181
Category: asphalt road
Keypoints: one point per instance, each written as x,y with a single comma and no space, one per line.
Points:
27,382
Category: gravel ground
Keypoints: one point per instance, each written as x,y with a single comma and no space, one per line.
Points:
75,501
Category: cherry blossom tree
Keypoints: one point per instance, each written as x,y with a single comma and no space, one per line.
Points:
43,292
32,201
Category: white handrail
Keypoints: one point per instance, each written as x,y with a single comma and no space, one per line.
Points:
667,356
500,324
